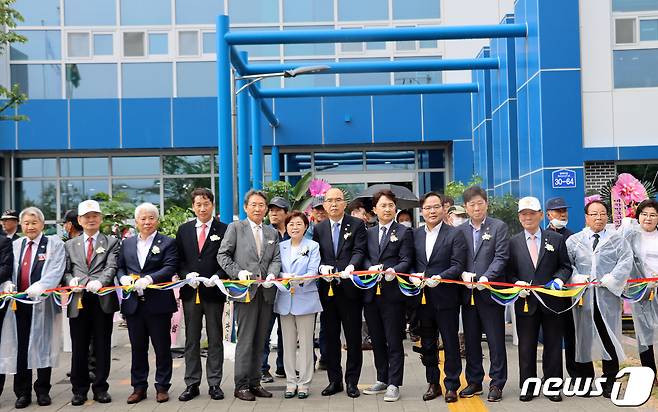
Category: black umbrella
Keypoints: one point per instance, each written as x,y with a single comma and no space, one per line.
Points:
405,198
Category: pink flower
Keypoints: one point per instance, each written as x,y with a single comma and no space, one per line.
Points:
590,199
629,189
318,187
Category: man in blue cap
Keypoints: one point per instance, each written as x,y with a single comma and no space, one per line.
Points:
557,212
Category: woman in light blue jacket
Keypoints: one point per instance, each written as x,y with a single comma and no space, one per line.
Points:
298,307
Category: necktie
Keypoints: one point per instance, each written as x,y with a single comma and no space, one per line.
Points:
202,237
596,241
257,239
534,253
382,240
476,240
26,267
90,250
334,235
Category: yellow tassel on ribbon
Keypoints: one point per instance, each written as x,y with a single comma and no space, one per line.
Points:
80,303
525,306
423,301
379,290
197,300
472,298
651,295
580,301
292,290
331,291
13,305
248,299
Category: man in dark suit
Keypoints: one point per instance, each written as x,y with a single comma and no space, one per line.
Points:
342,240
486,258
538,257
440,253
198,242
150,257
91,263
390,250
6,265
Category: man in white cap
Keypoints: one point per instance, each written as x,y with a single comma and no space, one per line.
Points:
91,263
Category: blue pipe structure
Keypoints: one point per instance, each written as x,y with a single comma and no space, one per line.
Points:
256,145
224,137
243,142
372,90
384,66
276,165
377,34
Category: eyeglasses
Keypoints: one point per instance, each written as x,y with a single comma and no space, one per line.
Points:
647,215
600,214
257,205
430,208
334,201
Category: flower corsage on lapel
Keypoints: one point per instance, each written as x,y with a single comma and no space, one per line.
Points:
347,233
270,242
100,250
486,236
393,238
549,247
155,250
303,251
214,238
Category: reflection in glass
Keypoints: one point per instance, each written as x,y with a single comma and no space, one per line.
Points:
253,11
308,10
89,12
83,166
431,181
431,159
133,44
177,191
145,12
188,43
209,43
38,12
73,192
635,68
398,160
39,193
350,10
40,45
416,9
89,81
135,166
649,30
147,80
425,77
293,162
38,81
158,43
103,45
36,167
198,11
78,45
196,79
138,190
186,165
338,161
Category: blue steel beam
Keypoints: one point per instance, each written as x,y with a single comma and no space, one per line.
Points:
276,166
239,64
224,130
377,34
384,66
256,145
243,142
371,90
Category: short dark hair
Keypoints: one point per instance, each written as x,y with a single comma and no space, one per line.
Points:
254,192
600,202
472,192
71,216
386,193
644,204
428,195
297,213
357,204
404,212
203,192
449,200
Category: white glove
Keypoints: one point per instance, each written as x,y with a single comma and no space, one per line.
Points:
416,278
74,283
125,280
376,268
481,280
390,275
209,283
94,286
142,283
268,281
433,281
579,279
607,281
345,274
524,292
326,270
244,275
468,277
192,278
8,287
35,290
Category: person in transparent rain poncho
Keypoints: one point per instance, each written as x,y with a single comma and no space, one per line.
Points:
602,256
642,236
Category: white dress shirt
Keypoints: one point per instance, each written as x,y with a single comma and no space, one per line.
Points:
331,226
388,229
430,239
143,247
253,230
85,237
198,227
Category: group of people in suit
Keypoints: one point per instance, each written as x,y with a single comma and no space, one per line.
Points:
477,252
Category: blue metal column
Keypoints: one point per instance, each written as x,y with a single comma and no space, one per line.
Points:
256,146
276,166
224,122
243,141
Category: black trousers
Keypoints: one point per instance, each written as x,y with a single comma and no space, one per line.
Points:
648,359
386,323
489,319
23,377
142,327
527,328
91,324
339,311
446,323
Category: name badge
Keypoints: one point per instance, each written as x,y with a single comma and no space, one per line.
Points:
41,256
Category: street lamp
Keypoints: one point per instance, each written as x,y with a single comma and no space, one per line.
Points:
286,74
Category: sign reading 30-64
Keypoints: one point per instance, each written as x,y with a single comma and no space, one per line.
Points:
564,179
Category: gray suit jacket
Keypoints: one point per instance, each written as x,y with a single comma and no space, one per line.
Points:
103,268
238,252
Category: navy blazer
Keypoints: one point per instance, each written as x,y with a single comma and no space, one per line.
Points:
161,266
397,253
447,260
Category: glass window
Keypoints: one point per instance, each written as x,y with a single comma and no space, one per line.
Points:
266,50
135,166
351,47
186,165
310,80
198,11
416,9
188,43
209,43
424,77
40,45
378,45
308,10
147,80
649,30
253,11
138,190
196,79
158,43
72,192
90,12
635,68
39,193
145,12
78,45
624,31
83,166
364,79
177,191
317,49
103,45
133,44
634,5
429,44
36,167
38,81
394,160
294,162
39,12
405,45
431,182
431,159
350,10
339,161
89,81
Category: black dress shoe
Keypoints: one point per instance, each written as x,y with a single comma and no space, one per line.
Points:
471,390
433,392
332,389
260,392
191,392
526,398
244,395
23,402
78,399
555,398
102,397
353,390
44,399
216,393
495,394
451,396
